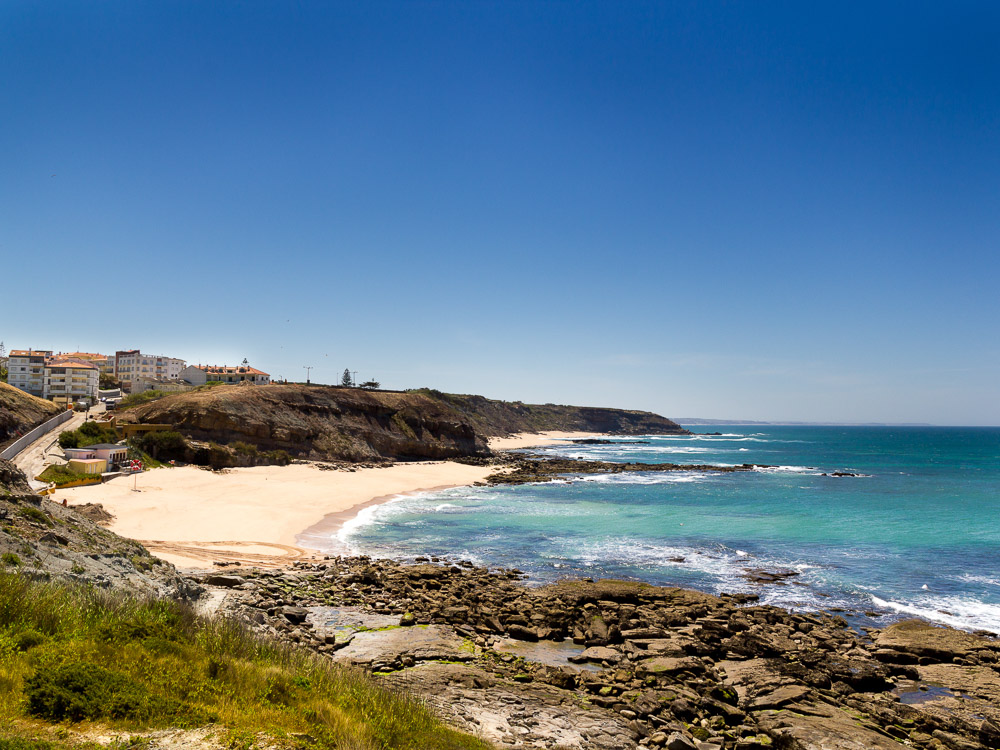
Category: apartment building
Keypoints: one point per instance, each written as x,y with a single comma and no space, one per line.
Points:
201,374
26,370
58,378
70,380
132,364
105,363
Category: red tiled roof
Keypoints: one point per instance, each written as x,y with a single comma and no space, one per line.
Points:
72,363
82,355
216,370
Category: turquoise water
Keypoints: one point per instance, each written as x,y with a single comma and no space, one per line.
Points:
918,533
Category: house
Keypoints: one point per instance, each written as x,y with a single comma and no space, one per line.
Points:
59,378
132,364
87,465
26,370
111,454
70,380
201,374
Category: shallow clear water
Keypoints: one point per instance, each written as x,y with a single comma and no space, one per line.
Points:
917,534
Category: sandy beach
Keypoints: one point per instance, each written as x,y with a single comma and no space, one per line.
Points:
266,515
539,439
193,517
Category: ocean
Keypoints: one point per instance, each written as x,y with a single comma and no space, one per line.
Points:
916,533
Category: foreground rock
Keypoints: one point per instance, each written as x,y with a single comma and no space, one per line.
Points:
615,664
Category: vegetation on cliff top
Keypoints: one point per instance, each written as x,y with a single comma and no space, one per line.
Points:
74,654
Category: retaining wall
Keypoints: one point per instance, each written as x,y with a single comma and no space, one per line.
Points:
29,437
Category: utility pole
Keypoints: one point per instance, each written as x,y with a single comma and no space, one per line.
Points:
354,378
307,369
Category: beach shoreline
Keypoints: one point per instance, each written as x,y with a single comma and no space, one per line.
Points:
268,515
193,517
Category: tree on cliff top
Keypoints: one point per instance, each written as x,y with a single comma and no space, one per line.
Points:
345,380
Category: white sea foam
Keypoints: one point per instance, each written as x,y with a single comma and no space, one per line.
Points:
680,477
365,517
988,580
959,612
812,470
729,438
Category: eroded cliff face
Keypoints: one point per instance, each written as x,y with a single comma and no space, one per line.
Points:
349,424
493,418
318,422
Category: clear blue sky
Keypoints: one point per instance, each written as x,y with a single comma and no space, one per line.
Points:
759,210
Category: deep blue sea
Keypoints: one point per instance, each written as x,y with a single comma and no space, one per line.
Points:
918,533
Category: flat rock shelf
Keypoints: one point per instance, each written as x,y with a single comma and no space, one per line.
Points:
622,664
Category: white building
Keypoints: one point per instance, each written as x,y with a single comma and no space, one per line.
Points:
201,374
70,380
26,370
132,364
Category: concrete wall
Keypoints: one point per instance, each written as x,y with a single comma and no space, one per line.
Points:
28,438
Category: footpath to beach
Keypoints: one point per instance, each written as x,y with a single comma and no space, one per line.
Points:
193,517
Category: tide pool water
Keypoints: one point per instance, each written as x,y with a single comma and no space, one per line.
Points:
917,533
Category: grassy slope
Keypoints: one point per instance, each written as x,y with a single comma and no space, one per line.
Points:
81,655
20,411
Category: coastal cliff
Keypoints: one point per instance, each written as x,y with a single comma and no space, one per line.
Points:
20,412
350,424
496,418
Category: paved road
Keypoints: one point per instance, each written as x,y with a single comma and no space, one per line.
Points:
45,451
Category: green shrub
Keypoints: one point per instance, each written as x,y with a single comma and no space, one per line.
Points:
137,399
84,690
34,514
69,439
245,449
59,475
89,433
278,457
164,445
10,559
28,639
19,743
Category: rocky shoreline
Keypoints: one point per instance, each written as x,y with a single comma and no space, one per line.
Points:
524,468
619,664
